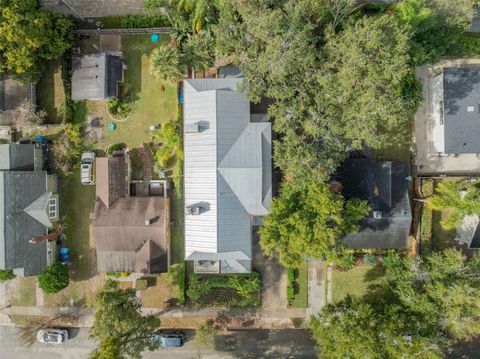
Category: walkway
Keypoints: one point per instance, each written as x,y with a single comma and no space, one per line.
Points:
316,286
94,8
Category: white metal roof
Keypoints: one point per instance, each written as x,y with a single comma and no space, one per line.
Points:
227,169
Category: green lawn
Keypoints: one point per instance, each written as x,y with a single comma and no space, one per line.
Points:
76,207
301,279
150,105
50,92
441,238
357,281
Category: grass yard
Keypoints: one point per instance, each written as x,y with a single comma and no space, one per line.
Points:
301,281
357,281
76,207
157,293
26,293
150,106
50,92
441,238
82,293
176,234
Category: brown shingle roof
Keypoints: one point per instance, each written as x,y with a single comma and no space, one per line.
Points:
110,179
124,243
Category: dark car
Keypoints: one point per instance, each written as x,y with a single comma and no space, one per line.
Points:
170,339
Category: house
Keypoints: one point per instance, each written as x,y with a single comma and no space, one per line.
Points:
447,123
385,186
12,95
228,174
96,77
29,207
130,232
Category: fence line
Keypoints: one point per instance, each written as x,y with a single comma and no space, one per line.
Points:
150,30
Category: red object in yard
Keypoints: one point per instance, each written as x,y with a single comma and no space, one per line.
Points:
162,88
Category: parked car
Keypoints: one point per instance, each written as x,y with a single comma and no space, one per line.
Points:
170,339
52,336
86,168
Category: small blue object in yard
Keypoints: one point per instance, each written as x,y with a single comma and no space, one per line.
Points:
64,255
180,95
39,139
154,37
112,126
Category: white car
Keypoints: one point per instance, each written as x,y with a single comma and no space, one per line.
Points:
52,336
86,168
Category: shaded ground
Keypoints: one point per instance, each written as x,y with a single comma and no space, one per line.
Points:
76,210
356,281
50,92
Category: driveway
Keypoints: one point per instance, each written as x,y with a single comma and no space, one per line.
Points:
274,285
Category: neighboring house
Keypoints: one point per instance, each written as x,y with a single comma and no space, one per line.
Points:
29,207
96,77
468,232
12,95
228,175
447,123
385,186
130,232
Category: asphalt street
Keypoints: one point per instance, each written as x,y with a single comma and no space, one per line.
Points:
254,344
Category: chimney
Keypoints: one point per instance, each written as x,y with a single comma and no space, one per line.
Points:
49,237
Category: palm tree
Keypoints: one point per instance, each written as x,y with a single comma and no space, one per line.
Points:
200,11
458,199
166,64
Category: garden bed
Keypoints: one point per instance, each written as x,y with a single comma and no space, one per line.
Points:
222,290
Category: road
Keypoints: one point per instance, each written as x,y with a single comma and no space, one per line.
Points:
254,344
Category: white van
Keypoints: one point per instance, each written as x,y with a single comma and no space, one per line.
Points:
87,168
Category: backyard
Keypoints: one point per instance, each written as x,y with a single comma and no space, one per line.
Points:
358,281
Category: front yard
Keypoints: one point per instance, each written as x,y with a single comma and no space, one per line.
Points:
358,281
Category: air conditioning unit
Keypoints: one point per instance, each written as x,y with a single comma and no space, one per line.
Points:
192,210
377,215
192,128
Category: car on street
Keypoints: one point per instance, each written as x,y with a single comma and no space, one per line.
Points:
52,336
87,168
170,339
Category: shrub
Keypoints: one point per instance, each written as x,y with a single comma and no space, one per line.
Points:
67,149
141,284
205,334
426,230
297,322
118,107
344,261
427,187
237,290
6,274
115,147
53,278
369,259
144,21
291,285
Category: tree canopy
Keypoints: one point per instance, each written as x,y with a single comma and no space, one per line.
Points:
458,199
30,36
309,220
119,326
421,303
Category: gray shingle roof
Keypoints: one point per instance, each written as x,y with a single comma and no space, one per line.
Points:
17,157
385,187
461,98
96,77
227,170
18,190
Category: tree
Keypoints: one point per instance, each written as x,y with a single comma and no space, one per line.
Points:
54,278
30,36
199,50
26,114
309,220
435,25
171,144
166,63
67,149
421,305
119,326
6,274
352,329
457,199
